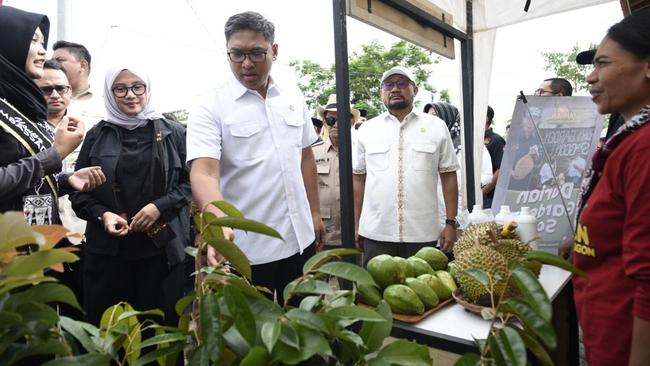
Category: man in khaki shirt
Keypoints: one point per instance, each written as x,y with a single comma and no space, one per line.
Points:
327,164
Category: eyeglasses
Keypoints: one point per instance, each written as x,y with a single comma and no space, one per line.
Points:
330,121
541,91
238,56
389,85
60,89
122,91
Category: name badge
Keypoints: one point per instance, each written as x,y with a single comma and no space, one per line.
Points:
38,209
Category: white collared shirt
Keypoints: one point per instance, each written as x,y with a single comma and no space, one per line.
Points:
402,162
259,144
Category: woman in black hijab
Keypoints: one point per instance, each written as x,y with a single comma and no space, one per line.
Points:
30,156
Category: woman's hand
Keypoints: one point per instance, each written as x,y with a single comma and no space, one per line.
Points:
114,224
146,217
87,179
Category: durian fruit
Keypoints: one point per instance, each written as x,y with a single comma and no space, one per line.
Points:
509,231
476,233
512,250
486,259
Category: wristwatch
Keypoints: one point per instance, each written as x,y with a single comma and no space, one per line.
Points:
452,222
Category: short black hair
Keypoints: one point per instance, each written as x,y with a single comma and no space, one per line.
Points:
490,114
633,33
251,21
79,51
427,107
53,65
559,85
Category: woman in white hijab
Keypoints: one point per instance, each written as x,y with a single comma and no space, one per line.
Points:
138,223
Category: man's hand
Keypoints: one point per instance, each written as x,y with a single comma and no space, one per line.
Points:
115,225
319,230
146,217
447,238
68,135
87,179
215,257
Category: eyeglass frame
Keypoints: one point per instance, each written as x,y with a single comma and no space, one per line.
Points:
331,120
405,83
539,92
129,88
47,90
249,54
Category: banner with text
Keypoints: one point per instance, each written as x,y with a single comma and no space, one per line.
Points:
548,150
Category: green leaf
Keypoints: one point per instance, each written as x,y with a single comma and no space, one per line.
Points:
270,334
244,224
468,359
554,260
184,302
36,262
309,303
403,352
348,271
351,337
511,346
191,251
44,293
199,357
90,359
227,208
33,312
257,356
307,319
479,276
535,347
313,286
531,320
232,253
159,353
289,335
374,333
211,332
529,285
10,283
76,328
131,313
14,231
241,313
245,287
164,338
325,256
356,313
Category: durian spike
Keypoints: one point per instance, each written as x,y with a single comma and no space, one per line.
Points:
508,229
493,237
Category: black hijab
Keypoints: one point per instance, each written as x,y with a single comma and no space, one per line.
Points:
17,28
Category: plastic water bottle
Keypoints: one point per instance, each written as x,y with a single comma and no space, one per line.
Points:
478,216
527,227
504,216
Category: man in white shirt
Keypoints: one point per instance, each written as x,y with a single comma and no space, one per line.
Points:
249,143
396,163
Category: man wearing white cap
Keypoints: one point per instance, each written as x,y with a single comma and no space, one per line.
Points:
327,165
396,163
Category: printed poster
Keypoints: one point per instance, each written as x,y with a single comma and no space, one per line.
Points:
548,150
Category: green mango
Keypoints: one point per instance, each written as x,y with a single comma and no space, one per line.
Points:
435,257
447,280
368,294
403,300
420,266
424,292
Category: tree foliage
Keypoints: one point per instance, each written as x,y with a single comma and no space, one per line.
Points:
317,82
564,65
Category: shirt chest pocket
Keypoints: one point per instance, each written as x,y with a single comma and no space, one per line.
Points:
377,156
424,156
293,125
248,140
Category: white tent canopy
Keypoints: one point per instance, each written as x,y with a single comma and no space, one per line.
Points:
488,16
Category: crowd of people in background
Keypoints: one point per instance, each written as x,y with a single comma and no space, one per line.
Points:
130,174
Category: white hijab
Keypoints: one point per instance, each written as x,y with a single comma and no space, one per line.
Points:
113,113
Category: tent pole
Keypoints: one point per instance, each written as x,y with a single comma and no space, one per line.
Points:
343,118
467,75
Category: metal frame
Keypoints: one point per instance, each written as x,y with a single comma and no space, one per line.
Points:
343,97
